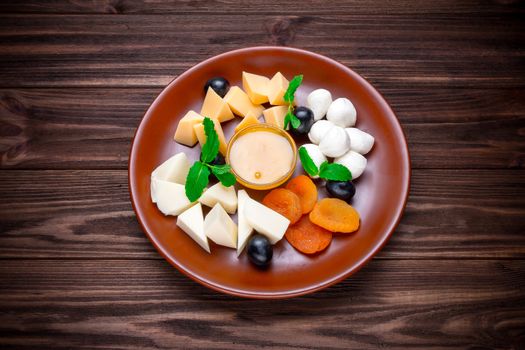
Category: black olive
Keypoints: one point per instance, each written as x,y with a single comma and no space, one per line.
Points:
260,250
306,117
218,160
219,85
344,190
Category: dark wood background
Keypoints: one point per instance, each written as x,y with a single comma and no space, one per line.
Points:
77,272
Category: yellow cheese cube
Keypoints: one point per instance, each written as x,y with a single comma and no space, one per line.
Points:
256,87
275,115
250,119
201,135
185,133
240,103
215,107
276,89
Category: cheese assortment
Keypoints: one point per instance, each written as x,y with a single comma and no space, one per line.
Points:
262,158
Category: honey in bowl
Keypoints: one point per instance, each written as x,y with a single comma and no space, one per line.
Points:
262,156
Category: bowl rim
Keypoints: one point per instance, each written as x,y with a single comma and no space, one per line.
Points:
269,128
298,292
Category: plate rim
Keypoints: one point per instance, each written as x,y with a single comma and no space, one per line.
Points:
297,292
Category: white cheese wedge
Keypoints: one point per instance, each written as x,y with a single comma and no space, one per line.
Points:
174,169
171,197
265,220
153,189
218,193
220,228
244,229
192,222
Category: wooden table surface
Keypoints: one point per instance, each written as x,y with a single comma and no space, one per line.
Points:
76,270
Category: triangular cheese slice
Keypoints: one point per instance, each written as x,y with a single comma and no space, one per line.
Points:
215,107
218,193
240,103
185,133
265,220
174,169
171,197
192,222
277,88
250,119
256,87
275,115
220,228
244,230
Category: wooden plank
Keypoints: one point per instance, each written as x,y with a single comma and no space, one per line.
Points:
243,6
91,128
137,50
146,304
87,214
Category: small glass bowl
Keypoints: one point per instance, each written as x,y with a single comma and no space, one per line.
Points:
270,128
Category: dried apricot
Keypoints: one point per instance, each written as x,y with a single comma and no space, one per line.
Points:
284,202
335,215
307,237
306,190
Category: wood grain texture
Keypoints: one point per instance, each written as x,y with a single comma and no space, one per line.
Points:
129,50
87,214
251,7
110,304
92,128
76,271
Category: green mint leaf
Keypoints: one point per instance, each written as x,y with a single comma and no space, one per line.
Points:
196,181
307,162
227,179
334,172
290,118
295,121
287,120
220,169
211,147
289,95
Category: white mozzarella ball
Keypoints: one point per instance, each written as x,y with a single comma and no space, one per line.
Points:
362,142
335,142
318,130
342,112
315,153
354,161
318,101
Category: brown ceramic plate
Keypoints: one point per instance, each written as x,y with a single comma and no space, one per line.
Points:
381,191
